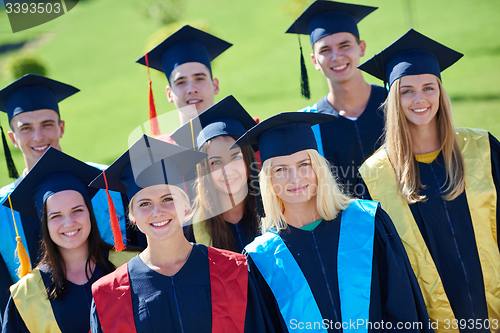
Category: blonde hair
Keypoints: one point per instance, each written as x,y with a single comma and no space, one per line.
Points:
329,198
399,146
183,195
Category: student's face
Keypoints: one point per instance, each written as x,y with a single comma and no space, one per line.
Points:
293,178
227,166
419,97
159,211
34,132
337,56
191,84
68,220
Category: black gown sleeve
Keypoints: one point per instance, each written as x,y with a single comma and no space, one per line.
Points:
266,297
362,190
401,301
257,318
95,324
495,171
12,321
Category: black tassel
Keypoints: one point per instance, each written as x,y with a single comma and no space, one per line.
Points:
8,157
304,80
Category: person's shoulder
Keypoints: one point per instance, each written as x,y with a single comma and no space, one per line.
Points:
221,255
28,284
6,190
112,281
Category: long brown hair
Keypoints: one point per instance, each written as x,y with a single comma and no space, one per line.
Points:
207,201
399,146
53,260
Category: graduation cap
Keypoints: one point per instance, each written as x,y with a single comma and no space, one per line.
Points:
412,54
147,163
187,44
323,18
30,93
54,172
284,134
227,117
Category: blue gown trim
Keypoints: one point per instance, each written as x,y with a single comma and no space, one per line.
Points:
290,287
357,232
315,128
279,268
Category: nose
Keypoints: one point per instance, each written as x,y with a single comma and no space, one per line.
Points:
294,175
68,221
419,97
336,54
158,210
192,87
38,134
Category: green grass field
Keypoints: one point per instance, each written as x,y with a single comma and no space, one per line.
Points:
95,45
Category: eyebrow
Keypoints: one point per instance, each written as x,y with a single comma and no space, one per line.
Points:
425,84
43,122
344,42
280,165
58,212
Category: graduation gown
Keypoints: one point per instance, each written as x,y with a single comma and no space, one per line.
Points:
452,232
30,310
179,303
394,296
347,143
240,232
71,313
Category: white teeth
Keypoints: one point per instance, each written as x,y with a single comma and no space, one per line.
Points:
194,101
160,224
41,148
71,233
341,67
419,110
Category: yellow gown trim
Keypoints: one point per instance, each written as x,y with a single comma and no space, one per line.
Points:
200,229
379,176
427,158
32,302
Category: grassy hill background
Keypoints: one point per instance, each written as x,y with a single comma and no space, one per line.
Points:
95,45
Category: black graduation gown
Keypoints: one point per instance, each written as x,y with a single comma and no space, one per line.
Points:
72,312
395,294
183,302
446,227
347,143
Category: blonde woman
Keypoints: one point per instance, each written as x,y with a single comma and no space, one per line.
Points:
325,261
173,285
439,185
226,183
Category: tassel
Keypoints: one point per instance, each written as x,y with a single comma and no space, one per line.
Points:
24,259
115,225
8,157
154,127
304,80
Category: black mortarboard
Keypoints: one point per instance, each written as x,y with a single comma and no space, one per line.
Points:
227,117
323,18
148,162
54,172
33,92
411,54
284,134
187,44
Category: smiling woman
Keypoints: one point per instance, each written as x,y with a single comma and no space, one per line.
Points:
323,257
438,183
173,285
73,253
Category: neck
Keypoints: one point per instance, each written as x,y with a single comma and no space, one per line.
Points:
167,256
187,115
232,206
235,214
425,139
75,261
299,215
351,96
